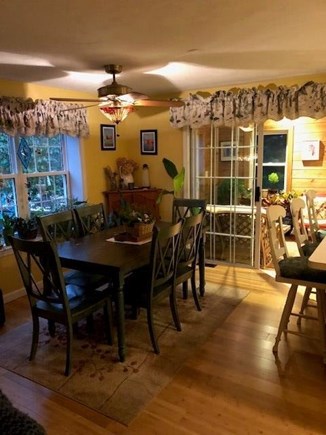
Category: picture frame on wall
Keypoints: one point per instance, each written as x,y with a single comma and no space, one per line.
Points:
148,142
310,150
227,150
108,137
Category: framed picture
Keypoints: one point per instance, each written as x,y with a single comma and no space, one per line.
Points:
108,137
226,151
310,150
148,142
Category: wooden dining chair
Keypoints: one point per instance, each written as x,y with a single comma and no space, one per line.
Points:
90,219
182,208
188,254
296,272
157,281
316,233
51,298
305,245
61,227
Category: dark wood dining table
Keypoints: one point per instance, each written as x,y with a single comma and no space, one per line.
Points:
95,254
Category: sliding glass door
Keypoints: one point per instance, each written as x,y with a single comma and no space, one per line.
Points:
222,164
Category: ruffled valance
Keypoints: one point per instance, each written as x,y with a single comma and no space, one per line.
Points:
247,106
25,117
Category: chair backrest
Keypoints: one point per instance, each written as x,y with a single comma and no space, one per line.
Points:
300,233
190,239
184,207
312,214
164,256
90,219
275,215
57,226
37,259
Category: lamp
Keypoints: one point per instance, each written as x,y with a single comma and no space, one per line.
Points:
116,114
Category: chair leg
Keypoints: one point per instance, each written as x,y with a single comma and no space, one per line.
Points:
321,305
201,264
194,292
304,303
69,333
51,328
285,315
36,331
174,310
150,322
185,289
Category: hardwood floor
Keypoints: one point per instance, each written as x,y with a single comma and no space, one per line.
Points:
231,385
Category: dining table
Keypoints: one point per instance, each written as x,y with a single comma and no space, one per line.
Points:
317,260
99,253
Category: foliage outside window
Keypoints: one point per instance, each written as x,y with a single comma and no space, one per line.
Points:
34,176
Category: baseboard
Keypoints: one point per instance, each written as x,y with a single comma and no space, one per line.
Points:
8,297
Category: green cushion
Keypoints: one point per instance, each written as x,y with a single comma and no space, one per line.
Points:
309,248
297,268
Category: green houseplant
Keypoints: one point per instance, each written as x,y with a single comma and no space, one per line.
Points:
178,178
26,228
7,223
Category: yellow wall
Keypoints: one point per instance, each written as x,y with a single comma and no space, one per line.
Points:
128,145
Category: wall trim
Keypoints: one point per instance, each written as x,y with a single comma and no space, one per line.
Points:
9,297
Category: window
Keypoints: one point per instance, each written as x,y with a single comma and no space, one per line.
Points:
34,174
274,161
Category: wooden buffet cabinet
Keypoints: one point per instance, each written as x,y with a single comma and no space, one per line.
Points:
142,198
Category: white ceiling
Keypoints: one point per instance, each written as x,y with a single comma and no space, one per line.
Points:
205,43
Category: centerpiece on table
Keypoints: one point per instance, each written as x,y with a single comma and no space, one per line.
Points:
138,223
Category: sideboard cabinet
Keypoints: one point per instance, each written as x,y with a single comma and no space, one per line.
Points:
142,198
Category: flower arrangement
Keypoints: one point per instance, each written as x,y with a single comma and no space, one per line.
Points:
126,166
112,178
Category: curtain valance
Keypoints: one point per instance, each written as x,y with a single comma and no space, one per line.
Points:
27,117
246,106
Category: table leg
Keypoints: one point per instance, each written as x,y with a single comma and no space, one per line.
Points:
121,320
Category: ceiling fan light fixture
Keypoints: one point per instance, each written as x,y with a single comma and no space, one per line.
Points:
116,114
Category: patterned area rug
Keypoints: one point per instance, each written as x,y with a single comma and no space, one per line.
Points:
98,380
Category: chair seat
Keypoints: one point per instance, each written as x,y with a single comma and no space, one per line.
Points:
320,235
297,268
91,281
309,248
79,300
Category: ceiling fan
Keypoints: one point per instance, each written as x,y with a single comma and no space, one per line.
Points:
116,101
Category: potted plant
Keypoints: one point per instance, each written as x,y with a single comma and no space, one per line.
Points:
7,222
178,179
273,179
26,228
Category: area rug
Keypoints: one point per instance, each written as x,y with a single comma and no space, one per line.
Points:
98,380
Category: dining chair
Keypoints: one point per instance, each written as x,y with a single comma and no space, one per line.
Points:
188,254
90,219
157,281
316,233
51,298
296,272
182,208
61,227
305,245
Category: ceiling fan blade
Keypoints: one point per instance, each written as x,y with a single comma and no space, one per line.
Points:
78,108
77,100
158,103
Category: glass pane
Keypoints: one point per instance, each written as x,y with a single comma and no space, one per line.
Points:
6,166
47,154
274,148
8,197
47,194
273,177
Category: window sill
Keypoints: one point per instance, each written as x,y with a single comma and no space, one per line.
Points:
5,251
